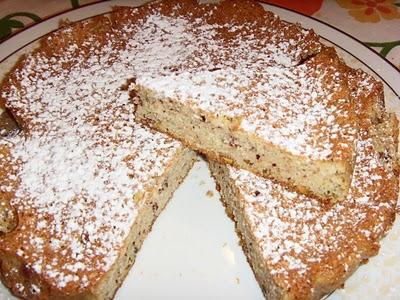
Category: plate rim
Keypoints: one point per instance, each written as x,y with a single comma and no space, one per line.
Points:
42,20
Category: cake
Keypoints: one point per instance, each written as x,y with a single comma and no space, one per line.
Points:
299,248
82,184
244,99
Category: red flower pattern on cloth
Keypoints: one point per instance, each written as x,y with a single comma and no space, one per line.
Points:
371,10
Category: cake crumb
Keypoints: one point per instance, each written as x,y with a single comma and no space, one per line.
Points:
210,194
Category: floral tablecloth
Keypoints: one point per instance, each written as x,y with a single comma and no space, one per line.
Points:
374,22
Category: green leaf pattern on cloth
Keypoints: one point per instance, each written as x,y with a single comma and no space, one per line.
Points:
386,47
7,23
75,3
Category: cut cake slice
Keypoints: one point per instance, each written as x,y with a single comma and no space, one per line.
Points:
81,186
237,100
300,248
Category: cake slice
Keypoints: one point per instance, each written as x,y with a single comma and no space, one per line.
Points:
295,125
82,184
300,248
243,98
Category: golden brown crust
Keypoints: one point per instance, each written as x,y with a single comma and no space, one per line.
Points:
52,46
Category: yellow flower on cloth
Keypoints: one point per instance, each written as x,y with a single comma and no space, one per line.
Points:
371,10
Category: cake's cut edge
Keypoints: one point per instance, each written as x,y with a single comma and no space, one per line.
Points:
325,174
156,200
334,183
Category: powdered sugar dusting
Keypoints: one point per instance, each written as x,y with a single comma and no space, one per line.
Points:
297,234
80,164
303,108
286,107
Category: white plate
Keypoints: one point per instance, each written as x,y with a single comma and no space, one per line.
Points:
192,251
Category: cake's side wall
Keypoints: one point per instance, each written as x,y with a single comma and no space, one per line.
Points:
8,216
155,201
222,140
231,199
